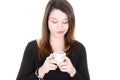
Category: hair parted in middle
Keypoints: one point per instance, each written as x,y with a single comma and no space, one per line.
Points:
44,44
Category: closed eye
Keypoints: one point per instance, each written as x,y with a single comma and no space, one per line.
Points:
65,22
54,22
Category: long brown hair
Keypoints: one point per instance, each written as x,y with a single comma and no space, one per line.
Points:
44,44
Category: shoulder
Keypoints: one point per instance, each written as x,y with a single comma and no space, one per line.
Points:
78,48
31,46
78,45
32,42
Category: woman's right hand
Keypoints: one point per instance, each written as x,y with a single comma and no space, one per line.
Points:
49,64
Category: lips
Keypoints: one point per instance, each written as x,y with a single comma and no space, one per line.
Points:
60,32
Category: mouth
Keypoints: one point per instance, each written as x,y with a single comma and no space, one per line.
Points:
60,32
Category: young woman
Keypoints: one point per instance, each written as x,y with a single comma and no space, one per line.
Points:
57,35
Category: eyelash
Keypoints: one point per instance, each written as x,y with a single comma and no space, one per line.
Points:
54,21
57,22
65,22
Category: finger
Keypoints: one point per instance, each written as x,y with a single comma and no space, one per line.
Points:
52,67
64,69
52,61
59,63
66,59
50,57
62,64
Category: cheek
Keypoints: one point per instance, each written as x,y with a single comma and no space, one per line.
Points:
66,28
51,27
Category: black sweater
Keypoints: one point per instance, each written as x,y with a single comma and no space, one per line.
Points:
31,62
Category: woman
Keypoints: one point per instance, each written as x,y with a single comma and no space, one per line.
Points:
57,35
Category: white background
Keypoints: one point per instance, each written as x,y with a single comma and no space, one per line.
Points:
97,27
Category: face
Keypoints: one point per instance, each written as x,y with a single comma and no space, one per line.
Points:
58,23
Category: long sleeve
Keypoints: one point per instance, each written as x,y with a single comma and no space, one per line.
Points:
31,62
27,69
81,64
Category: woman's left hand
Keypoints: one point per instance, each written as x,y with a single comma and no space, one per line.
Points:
67,66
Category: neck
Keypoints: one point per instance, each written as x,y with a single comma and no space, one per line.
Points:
57,44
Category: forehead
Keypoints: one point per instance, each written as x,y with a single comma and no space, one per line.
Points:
58,14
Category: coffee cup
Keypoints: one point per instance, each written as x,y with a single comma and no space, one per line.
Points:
58,56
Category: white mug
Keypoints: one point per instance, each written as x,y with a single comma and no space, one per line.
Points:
58,56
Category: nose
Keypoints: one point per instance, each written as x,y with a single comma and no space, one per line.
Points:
60,25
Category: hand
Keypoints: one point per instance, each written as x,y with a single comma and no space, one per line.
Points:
67,66
49,64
